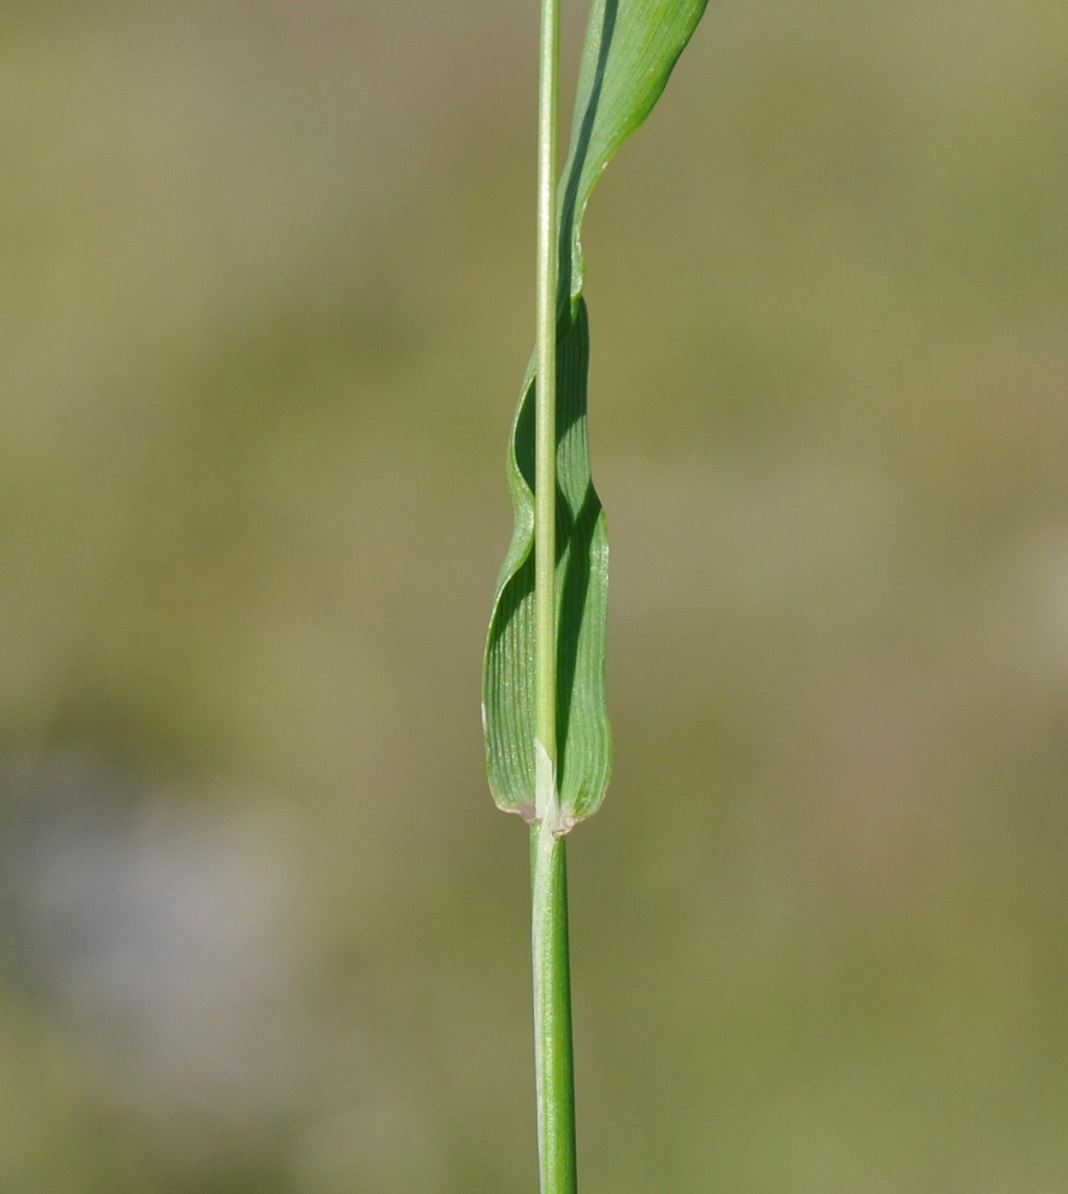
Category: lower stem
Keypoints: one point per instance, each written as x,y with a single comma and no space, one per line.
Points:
553,1057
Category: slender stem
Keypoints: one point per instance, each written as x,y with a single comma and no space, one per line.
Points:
545,418
553,1057
549,938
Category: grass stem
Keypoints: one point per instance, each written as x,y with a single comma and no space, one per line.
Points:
553,1055
545,419
549,937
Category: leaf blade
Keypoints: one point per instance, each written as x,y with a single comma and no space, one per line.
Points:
631,48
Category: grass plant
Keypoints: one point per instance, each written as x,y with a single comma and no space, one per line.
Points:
548,740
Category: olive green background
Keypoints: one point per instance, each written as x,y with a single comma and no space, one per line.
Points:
266,297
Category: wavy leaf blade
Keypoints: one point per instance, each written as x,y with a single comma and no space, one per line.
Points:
631,48
630,51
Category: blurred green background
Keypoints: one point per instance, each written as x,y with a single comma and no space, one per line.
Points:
267,299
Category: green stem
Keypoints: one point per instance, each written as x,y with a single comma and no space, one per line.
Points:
545,417
553,1057
549,939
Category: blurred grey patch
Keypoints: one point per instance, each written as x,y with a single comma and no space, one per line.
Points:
166,932
160,927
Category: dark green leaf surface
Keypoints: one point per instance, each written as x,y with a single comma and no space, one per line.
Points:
631,48
630,51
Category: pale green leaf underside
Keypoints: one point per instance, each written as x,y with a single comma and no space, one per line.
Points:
631,48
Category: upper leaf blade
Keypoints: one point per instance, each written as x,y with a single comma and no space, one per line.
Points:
630,51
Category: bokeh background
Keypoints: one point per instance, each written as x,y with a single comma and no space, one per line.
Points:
266,297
